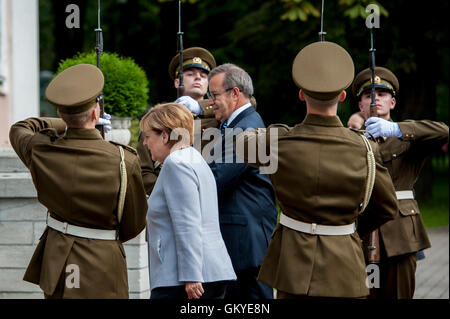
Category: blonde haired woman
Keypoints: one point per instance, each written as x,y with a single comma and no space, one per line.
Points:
187,254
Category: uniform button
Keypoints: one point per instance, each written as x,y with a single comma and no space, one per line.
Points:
394,155
412,210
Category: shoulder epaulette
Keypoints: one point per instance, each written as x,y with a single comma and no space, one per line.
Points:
127,147
281,126
50,132
356,130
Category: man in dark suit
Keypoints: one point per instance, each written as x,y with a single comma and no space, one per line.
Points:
247,211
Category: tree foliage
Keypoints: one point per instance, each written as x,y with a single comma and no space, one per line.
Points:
126,85
263,37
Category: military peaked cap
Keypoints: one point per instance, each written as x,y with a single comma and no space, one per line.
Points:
75,89
384,79
323,70
192,58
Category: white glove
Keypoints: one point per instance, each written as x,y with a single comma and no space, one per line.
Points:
380,127
105,121
190,103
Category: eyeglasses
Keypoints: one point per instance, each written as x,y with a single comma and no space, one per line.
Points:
213,95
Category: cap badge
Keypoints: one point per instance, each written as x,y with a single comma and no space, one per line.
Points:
377,79
197,60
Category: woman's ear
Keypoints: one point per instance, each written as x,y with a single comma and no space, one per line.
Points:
165,137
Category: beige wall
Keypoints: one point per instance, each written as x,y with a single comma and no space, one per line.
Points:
5,53
19,63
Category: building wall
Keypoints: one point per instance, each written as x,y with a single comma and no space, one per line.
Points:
5,53
22,217
19,63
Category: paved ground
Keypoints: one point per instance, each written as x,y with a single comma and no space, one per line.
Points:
432,272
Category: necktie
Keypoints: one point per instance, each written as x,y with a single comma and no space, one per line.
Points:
223,126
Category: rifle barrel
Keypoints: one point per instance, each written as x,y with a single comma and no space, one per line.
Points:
322,33
99,51
180,50
373,104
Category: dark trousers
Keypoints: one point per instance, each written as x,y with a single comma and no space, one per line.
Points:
397,275
213,290
247,286
287,295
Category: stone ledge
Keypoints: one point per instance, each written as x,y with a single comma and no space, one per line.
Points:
20,295
10,162
22,209
136,256
141,295
13,256
14,185
12,281
138,280
16,233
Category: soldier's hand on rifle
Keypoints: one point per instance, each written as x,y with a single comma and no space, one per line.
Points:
190,103
105,122
380,127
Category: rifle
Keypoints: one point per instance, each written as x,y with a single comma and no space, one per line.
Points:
180,51
322,33
99,51
371,242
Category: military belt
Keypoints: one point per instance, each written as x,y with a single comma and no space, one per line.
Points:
78,231
404,195
315,229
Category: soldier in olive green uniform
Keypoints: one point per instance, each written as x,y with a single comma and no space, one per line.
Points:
93,205
403,152
322,185
196,66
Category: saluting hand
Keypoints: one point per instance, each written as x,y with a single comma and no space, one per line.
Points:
190,103
105,122
380,127
194,290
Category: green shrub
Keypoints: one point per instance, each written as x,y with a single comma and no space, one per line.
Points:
126,85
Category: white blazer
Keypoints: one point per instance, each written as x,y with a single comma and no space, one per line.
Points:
184,239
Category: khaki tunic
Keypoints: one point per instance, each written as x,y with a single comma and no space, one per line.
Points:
321,178
404,159
77,179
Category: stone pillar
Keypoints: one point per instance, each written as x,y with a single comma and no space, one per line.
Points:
22,222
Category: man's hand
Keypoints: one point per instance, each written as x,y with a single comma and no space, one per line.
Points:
194,290
105,122
190,103
380,127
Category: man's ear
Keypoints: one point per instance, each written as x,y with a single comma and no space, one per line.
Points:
301,95
393,103
342,96
95,115
176,83
360,106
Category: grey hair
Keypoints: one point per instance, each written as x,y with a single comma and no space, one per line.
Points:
234,77
79,119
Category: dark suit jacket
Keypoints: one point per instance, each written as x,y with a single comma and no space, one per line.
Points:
247,210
